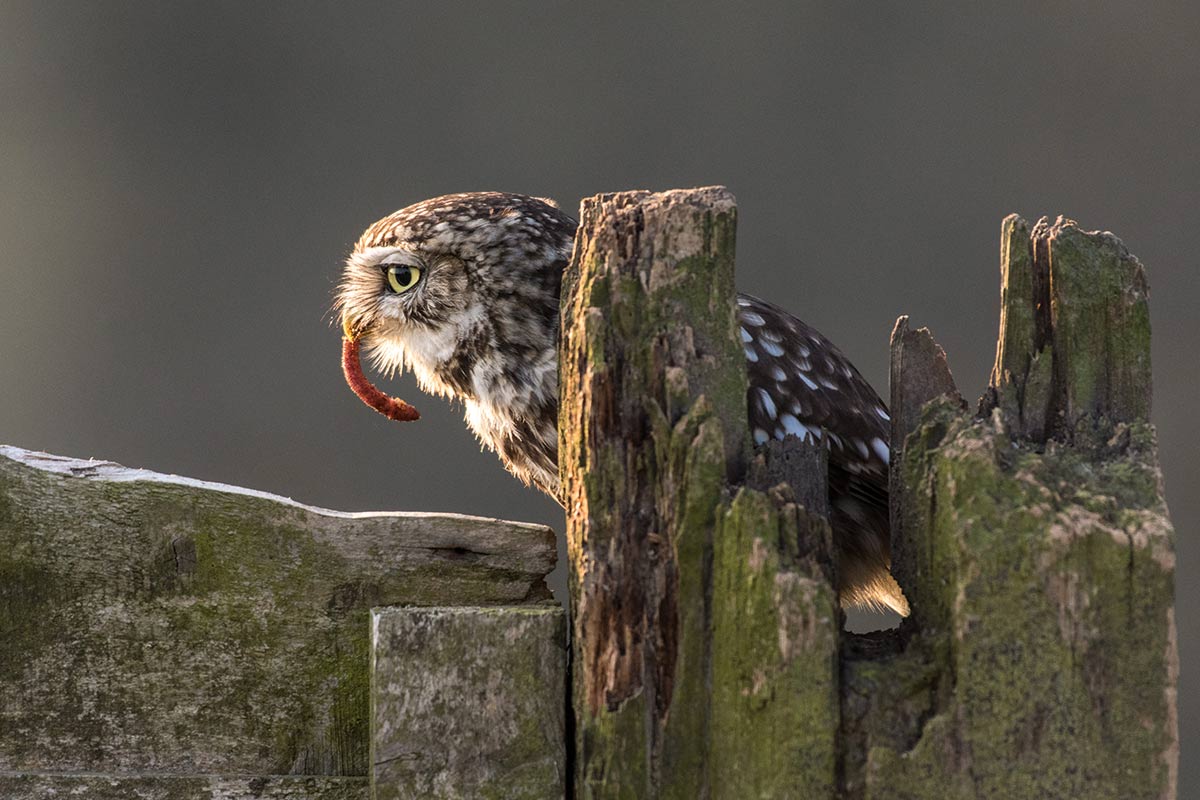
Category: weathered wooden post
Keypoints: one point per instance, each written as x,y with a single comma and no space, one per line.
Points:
692,662
1034,545
1031,538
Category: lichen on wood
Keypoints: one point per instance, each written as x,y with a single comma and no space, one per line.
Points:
648,328
674,687
1038,555
775,624
468,702
154,625
1032,540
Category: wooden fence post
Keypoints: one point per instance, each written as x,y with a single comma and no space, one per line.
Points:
691,662
1036,550
1032,540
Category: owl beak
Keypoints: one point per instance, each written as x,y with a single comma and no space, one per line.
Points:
351,327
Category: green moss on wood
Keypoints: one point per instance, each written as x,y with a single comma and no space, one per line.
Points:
652,410
616,766
165,627
923,564
775,640
469,702
1057,585
1074,348
1100,305
696,474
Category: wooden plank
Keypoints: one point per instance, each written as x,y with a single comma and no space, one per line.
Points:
158,625
468,702
43,786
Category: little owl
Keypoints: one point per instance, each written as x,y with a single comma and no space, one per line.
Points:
464,291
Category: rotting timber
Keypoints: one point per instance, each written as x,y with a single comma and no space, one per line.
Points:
169,639
705,623
1030,536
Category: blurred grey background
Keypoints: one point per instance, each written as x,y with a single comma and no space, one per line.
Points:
178,184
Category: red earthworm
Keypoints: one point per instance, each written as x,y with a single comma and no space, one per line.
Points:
390,407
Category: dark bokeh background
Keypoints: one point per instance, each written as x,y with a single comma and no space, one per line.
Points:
178,185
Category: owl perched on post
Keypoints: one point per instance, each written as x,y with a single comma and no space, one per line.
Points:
464,291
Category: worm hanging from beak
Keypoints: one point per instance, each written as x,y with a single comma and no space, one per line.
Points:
390,407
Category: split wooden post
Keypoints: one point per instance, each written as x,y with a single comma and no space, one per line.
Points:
1035,548
692,662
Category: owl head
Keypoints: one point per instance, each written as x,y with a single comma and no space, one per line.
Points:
455,284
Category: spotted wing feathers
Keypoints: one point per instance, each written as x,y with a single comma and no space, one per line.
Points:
801,385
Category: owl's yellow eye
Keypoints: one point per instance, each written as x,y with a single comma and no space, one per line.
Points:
402,277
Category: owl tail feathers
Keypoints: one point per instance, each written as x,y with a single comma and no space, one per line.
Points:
873,587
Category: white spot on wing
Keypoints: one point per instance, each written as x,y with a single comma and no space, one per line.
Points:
760,436
764,399
881,449
746,337
753,318
793,426
807,380
750,354
771,347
